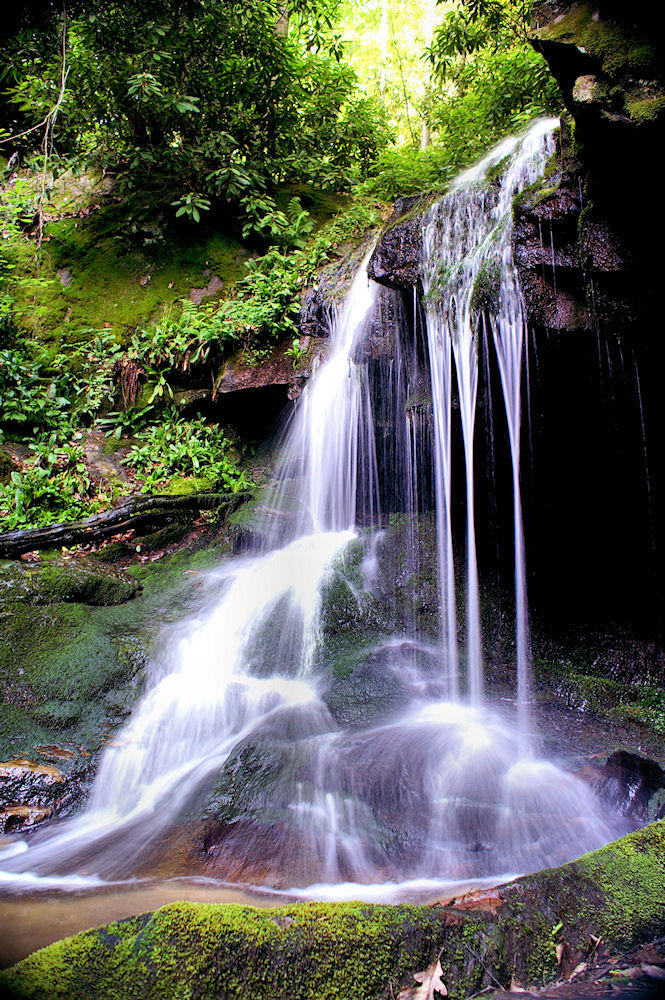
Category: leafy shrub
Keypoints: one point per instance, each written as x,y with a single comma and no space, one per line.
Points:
27,396
186,448
53,487
264,304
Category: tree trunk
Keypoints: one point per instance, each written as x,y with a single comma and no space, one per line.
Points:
430,20
282,22
146,513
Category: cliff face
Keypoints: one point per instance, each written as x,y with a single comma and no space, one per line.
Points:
577,271
610,65
593,467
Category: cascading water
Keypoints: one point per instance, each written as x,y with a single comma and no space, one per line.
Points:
469,277
423,789
211,692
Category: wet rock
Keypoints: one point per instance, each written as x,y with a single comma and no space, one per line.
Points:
15,818
589,90
397,258
190,399
28,783
631,785
31,793
577,273
610,67
80,581
320,300
104,467
7,465
372,683
277,369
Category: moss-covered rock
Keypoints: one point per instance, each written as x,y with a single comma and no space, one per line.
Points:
486,286
70,672
86,582
620,48
316,951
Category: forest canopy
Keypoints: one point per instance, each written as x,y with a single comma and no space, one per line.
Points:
218,102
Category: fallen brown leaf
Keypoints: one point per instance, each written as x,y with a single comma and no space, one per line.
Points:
484,900
430,983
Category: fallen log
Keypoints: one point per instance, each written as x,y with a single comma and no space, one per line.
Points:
140,512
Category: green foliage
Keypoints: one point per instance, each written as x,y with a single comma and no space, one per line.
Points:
128,421
186,447
384,43
137,103
265,301
28,398
50,398
490,82
295,352
192,205
54,487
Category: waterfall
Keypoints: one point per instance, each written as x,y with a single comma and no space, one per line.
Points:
211,691
387,802
469,277
328,450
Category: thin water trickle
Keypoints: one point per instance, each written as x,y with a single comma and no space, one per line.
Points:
468,276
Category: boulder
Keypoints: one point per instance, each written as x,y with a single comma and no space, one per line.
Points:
277,369
517,935
397,258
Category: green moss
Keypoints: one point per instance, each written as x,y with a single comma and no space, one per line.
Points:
85,584
181,486
312,951
57,663
318,951
487,285
115,283
71,672
420,206
646,110
617,48
542,189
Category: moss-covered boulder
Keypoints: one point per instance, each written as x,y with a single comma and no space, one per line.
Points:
70,672
609,66
316,951
82,582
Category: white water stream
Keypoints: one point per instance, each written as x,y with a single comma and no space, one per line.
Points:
468,276
442,791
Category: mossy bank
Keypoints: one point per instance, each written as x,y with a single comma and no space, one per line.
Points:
316,951
77,635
